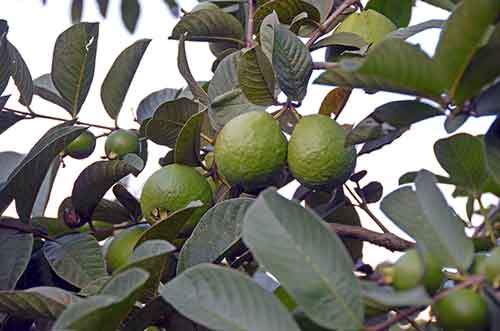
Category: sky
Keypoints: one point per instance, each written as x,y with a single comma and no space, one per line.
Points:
34,29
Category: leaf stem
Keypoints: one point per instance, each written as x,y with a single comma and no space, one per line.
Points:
35,115
363,205
249,36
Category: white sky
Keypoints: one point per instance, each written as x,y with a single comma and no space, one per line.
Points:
34,29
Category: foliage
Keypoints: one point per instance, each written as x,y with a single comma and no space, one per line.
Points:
200,266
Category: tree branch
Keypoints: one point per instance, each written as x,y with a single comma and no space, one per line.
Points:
250,23
364,206
386,240
324,65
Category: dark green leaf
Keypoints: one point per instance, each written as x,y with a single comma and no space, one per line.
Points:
131,10
106,211
426,216
399,12
372,192
455,121
119,78
282,235
77,258
218,229
345,40
44,88
73,63
292,63
461,38
8,162
187,145
492,140
183,65
43,196
224,299
147,107
8,119
103,7
286,10
95,181
488,103
128,201
76,11
15,253
21,75
4,56
168,120
385,298
25,181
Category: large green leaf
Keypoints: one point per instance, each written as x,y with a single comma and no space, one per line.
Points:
21,75
226,99
286,10
309,260
399,12
209,25
169,119
73,63
461,38
292,63
256,77
426,216
44,88
118,80
76,257
149,104
218,229
106,311
36,302
226,300
25,181
95,181
187,145
463,158
15,253
393,65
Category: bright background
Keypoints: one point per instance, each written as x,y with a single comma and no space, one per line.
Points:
34,29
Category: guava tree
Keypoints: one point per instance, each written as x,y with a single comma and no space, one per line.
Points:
194,251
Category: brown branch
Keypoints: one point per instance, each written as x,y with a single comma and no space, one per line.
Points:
323,28
410,311
34,115
250,23
366,209
386,240
324,65
13,224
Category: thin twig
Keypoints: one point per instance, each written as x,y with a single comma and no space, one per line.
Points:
324,65
367,210
249,36
487,221
34,115
329,21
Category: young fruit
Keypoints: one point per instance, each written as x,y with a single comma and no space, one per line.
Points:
410,272
317,156
122,246
120,143
172,188
250,149
82,147
490,267
369,25
462,310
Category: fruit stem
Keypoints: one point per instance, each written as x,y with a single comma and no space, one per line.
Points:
487,221
32,114
363,205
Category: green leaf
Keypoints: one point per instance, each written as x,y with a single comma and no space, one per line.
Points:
399,12
256,77
103,7
76,257
463,158
390,118
183,66
344,40
148,106
168,228
224,299
187,145
15,253
21,75
410,31
169,119
43,196
226,99
209,25
266,34
426,216
8,119
44,88
481,70
218,229
94,181
36,303
120,76
308,260
76,11
292,63
106,211
369,24
386,298
461,38
130,10
393,65
488,103
26,179
4,56
73,63
104,312
128,200
150,256
286,10
492,140
324,7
